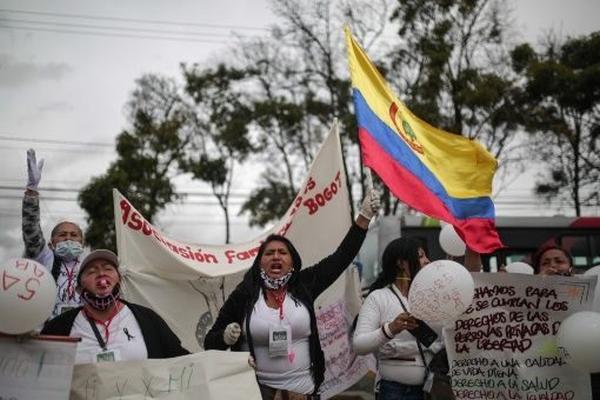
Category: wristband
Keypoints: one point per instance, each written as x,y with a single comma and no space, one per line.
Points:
386,330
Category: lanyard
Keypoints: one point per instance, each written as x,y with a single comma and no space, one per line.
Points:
418,344
70,278
279,297
101,342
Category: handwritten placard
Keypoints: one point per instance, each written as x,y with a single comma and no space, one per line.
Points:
206,375
343,367
504,346
35,369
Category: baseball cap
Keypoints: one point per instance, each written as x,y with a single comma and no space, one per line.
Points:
99,254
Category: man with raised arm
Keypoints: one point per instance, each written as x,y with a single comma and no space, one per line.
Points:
62,255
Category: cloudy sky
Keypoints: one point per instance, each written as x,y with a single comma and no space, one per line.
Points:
68,66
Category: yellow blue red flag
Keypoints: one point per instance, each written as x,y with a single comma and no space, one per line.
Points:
443,175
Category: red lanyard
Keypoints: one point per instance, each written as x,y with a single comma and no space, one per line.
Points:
106,324
279,297
70,278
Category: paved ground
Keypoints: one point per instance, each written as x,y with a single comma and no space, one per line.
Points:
362,390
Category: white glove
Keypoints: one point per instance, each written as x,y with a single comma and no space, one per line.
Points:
370,204
34,170
232,333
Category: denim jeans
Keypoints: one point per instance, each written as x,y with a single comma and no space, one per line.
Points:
390,390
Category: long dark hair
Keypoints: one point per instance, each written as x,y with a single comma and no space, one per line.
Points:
401,249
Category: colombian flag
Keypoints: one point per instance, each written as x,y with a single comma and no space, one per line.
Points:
442,175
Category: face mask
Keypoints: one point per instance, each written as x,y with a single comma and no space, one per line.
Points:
275,283
68,250
101,303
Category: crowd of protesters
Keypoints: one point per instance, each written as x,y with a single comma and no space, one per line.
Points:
270,314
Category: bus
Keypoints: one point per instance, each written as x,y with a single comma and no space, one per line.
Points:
521,236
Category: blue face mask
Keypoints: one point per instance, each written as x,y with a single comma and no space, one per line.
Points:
68,250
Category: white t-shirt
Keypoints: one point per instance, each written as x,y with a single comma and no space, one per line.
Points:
125,338
282,372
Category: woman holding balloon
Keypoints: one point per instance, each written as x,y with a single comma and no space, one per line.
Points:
385,324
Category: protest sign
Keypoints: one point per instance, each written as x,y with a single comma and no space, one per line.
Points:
206,375
35,368
335,315
505,347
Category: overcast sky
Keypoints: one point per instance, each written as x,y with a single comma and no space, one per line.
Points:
63,93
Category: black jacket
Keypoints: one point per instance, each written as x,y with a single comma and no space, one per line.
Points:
160,340
304,286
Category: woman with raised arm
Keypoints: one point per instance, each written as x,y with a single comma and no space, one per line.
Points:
271,312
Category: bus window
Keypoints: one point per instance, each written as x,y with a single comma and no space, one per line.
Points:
518,257
493,263
595,246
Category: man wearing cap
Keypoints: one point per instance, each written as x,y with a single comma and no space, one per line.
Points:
110,328
61,256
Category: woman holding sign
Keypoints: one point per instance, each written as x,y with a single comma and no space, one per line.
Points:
386,327
271,312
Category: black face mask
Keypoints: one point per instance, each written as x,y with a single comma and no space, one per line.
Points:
101,303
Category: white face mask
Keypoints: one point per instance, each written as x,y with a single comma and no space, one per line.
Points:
68,250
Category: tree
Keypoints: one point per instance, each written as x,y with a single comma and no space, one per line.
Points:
453,67
561,107
147,157
300,86
220,117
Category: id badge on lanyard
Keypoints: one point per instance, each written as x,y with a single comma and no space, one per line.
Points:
280,339
108,356
105,355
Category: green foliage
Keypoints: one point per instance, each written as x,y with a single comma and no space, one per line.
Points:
560,96
147,156
268,202
452,67
300,85
220,117
277,100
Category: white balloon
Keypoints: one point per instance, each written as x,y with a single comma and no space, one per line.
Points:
27,297
451,243
579,336
519,267
441,291
595,271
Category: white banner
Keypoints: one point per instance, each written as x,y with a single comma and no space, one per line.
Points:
505,347
207,375
316,222
188,283
35,368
